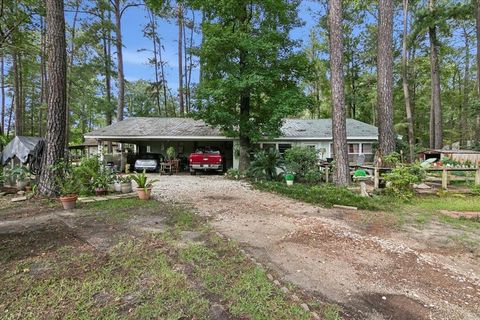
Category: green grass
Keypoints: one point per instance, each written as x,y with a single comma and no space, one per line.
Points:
120,209
447,202
327,195
144,276
85,285
227,274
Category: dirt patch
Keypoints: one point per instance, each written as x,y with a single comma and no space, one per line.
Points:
17,210
347,258
44,238
396,307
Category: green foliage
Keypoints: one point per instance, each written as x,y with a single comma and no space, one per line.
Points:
20,172
247,54
301,160
66,178
327,195
171,153
392,159
142,180
87,171
103,178
265,164
400,179
313,176
233,173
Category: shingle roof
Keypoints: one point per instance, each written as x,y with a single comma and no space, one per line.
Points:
188,127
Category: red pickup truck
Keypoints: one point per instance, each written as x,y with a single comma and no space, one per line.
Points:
206,159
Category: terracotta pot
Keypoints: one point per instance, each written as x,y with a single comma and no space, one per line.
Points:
126,187
100,191
28,188
69,202
144,194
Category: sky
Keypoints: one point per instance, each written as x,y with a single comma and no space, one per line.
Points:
136,63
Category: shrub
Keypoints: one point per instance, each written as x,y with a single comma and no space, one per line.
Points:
313,176
400,179
66,178
326,195
88,169
301,160
233,173
266,164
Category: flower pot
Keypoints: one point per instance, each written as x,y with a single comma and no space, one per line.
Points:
144,194
28,189
117,186
69,202
21,184
100,191
126,187
289,182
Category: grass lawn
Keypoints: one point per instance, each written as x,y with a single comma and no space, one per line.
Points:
184,272
394,212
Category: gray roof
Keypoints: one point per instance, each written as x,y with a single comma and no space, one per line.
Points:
188,127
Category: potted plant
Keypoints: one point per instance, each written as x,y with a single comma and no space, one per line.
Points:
21,176
101,183
144,186
68,185
289,177
117,183
126,184
171,153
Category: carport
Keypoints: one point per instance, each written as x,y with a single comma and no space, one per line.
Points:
140,136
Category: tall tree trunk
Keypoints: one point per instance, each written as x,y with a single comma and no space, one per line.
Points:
43,76
477,15
17,91
406,88
118,42
71,61
386,133
466,93
57,98
245,100
2,83
155,59
107,65
339,128
180,60
164,80
436,128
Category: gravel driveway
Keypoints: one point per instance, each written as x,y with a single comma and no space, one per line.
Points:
395,275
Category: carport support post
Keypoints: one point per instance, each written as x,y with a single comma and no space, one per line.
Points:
100,150
376,177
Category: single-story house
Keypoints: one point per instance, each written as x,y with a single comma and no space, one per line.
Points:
154,135
89,147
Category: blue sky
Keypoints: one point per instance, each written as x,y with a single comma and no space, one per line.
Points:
135,63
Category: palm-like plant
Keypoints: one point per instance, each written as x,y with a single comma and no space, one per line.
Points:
142,180
266,164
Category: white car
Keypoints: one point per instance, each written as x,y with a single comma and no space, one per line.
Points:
147,165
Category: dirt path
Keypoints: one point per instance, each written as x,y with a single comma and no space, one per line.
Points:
391,275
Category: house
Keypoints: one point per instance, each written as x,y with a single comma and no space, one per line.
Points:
89,147
155,135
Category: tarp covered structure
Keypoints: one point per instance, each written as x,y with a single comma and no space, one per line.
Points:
21,147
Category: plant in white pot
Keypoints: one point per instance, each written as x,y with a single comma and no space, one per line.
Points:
126,184
68,184
144,185
289,177
117,183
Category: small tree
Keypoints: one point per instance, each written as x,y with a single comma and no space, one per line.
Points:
301,160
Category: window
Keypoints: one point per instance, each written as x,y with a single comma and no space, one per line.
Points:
353,148
282,147
149,149
269,146
367,148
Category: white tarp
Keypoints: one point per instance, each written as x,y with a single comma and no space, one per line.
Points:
20,147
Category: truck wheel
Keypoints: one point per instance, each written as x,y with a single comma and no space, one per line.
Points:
193,172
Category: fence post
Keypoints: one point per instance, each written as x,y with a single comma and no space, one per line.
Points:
477,176
444,179
376,177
